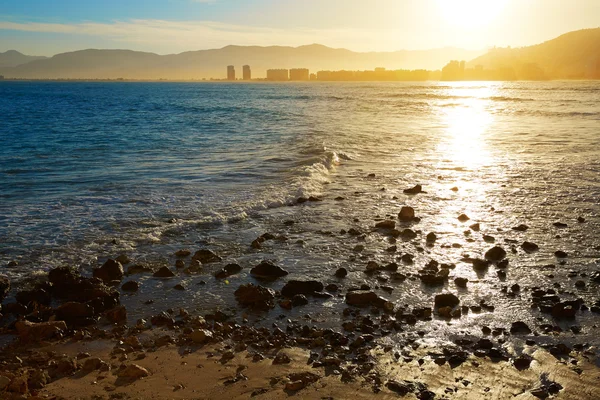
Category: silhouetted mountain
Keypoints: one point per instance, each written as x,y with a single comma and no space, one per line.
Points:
112,64
13,58
574,55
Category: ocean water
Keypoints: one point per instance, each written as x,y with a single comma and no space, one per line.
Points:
94,170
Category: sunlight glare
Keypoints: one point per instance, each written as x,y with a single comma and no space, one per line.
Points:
469,14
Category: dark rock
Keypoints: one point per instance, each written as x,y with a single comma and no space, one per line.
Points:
116,315
179,287
183,253
461,282
520,228
407,214
495,254
229,270
387,224
463,218
73,310
479,264
400,388
253,296
446,300
205,256
560,225
4,287
295,287
268,270
111,270
138,269
163,272
408,234
475,227
361,298
520,327
39,331
281,358
560,254
341,273
431,237
123,259
299,300
414,190
565,310
38,295
522,362
488,239
130,286
162,319
530,247
581,220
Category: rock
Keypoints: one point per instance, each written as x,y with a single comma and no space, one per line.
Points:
519,327
408,234
163,272
400,388
414,190
560,225
446,300
179,287
162,319
530,247
4,287
463,218
475,227
407,214
72,310
520,228
253,296
94,364
111,270
299,300
565,310
361,298
229,270
343,272
281,358
201,336
431,237
116,315
206,256
560,254
138,269
305,379
183,253
295,287
495,254
479,264
130,286
581,220
123,259
522,363
133,371
4,381
179,264
268,270
387,224
38,295
461,282
294,386
39,331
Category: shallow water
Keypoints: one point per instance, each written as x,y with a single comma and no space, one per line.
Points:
93,170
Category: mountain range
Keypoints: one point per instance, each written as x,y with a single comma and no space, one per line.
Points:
574,55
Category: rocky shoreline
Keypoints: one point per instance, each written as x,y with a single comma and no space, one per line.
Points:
67,307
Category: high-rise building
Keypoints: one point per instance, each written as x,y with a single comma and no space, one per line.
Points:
231,73
299,74
277,75
247,73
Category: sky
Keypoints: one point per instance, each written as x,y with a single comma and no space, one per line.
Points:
44,27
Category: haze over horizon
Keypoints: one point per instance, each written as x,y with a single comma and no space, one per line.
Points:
37,27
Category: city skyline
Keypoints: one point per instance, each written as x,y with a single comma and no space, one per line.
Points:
38,27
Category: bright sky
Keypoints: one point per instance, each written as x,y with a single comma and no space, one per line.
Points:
43,27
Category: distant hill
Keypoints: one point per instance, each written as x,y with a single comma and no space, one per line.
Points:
113,64
13,58
574,55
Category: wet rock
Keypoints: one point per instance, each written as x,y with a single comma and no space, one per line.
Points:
520,228
111,270
495,254
343,272
565,310
522,362
163,272
37,379
228,270
479,264
116,315
431,237
530,247
133,372
520,327
72,311
414,190
475,227
268,270
179,287
94,364
488,239
295,287
206,256
130,286
361,298
400,388
446,300
123,259
4,381
183,253
299,300
179,264
138,269
408,234
463,218
560,225
387,224
258,297
162,319
461,282
281,358
201,336
581,220
37,295
561,254
407,214
4,287
40,331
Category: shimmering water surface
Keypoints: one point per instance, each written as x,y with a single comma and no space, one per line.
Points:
94,170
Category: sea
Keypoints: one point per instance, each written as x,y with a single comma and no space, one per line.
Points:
93,170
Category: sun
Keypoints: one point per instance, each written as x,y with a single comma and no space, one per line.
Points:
469,14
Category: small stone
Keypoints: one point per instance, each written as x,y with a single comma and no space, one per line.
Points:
281,358
463,218
446,300
201,336
183,253
560,254
341,272
130,286
268,270
495,254
475,227
414,190
530,247
133,371
520,228
407,214
461,282
163,272
387,224
431,237
519,327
